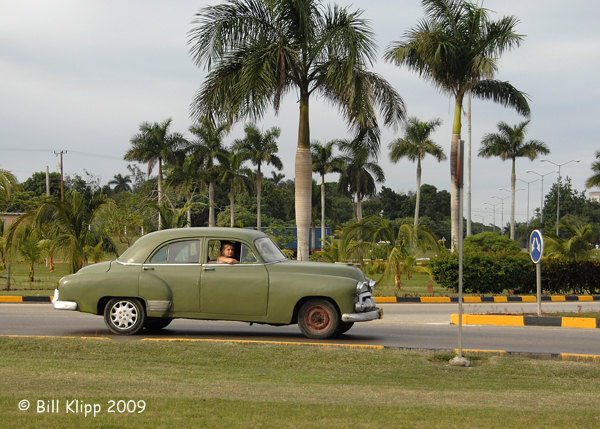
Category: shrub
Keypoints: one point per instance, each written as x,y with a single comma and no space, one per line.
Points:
489,273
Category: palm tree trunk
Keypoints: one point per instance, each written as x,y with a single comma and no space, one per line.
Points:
31,272
418,199
358,207
303,179
455,217
258,192
323,207
211,204
160,191
231,206
513,180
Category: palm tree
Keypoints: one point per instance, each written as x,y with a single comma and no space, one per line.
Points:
236,176
510,143
154,144
207,149
323,162
257,51
594,180
74,219
360,172
7,182
455,47
577,247
415,144
122,183
259,148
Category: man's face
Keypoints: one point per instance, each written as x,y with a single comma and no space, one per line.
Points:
228,250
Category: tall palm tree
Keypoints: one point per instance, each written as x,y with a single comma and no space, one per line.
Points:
258,50
324,162
236,176
360,172
594,180
415,144
455,47
507,144
260,148
208,148
122,183
154,144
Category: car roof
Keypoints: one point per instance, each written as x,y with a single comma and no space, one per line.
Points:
139,251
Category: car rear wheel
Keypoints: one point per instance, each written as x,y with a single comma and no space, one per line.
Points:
156,323
124,316
318,319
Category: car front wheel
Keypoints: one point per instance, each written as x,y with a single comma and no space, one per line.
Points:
318,319
124,316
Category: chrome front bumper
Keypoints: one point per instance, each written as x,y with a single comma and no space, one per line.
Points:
62,305
363,317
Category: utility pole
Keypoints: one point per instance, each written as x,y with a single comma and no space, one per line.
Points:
62,185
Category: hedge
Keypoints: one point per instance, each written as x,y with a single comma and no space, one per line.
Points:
493,273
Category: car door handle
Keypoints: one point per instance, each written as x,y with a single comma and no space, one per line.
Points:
208,269
148,268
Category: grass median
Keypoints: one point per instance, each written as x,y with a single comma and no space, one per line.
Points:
198,384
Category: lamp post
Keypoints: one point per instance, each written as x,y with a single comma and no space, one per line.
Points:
502,212
528,183
558,188
494,211
542,194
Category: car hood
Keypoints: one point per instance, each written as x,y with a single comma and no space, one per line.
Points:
319,268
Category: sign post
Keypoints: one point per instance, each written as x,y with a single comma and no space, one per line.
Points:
536,251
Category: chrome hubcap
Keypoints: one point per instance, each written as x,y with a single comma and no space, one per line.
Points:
123,314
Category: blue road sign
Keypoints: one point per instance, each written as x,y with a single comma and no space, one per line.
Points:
536,246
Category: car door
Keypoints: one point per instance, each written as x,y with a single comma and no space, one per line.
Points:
174,271
235,290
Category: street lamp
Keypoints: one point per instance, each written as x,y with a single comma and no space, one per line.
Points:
528,183
502,211
542,194
494,210
558,189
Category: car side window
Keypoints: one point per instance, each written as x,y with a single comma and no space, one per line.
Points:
179,252
242,252
247,256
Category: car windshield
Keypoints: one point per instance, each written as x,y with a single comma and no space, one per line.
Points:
269,250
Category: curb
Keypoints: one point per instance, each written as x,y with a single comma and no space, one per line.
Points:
509,320
483,299
18,299
399,300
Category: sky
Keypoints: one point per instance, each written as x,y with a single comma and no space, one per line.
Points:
80,76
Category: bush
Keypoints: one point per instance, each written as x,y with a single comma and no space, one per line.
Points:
560,276
489,273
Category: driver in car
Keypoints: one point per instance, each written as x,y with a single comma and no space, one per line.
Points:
227,253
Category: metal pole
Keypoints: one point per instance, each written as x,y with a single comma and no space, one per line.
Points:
558,201
538,276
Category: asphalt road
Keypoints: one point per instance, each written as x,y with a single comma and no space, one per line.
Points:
413,326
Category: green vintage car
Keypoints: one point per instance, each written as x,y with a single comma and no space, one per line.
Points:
176,273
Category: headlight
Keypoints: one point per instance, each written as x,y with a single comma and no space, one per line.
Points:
363,287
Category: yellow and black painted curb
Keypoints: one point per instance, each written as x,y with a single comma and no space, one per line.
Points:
518,320
399,299
483,299
29,299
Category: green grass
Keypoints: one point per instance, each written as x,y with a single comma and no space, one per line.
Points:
44,281
197,384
